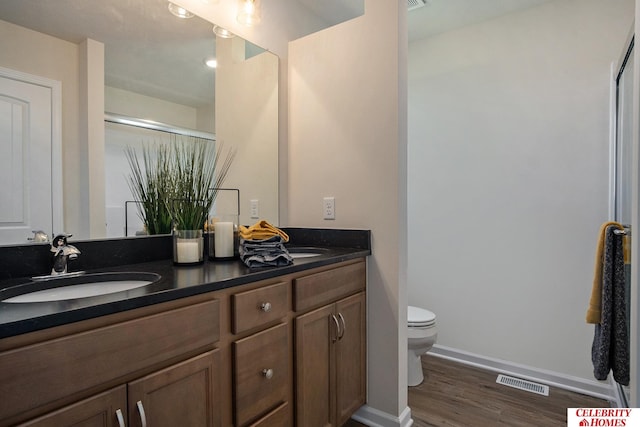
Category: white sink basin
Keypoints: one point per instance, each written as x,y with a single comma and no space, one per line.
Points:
84,286
295,255
305,252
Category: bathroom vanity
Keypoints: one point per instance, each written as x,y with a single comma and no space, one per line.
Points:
212,345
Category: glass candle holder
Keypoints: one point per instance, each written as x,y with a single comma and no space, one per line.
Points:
224,239
188,247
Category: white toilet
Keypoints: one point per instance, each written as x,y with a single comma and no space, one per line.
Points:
421,336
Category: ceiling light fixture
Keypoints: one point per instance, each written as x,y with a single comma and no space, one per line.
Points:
179,11
211,63
222,32
249,12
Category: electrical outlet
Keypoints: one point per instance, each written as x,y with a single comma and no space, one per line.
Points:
254,209
329,208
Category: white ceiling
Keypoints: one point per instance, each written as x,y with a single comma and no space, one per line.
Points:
147,49
150,51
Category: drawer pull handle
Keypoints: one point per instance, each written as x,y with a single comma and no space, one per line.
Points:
265,306
143,417
120,418
344,326
267,373
337,335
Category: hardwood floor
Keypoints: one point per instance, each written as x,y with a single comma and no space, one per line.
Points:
456,395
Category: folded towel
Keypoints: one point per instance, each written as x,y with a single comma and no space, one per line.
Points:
610,348
269,252
595,302
261,230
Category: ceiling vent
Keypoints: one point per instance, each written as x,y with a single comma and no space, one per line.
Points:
415,4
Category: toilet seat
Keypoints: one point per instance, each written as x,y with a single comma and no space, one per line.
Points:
420,318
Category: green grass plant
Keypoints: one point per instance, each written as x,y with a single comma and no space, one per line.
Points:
177,187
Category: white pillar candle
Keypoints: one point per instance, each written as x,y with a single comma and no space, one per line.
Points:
223,239
188,250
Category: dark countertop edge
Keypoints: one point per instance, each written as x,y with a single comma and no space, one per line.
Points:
20,327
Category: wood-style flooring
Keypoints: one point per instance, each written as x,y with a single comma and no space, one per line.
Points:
457,395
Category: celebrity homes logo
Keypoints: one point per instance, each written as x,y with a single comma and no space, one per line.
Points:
603,417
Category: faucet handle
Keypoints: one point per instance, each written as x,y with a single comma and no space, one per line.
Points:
39,236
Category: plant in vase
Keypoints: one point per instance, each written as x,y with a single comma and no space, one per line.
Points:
197,168
188,168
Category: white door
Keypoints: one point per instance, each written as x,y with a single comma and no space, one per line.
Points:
30,159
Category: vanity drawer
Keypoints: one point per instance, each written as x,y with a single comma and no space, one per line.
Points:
279,417
261,373
258,307
327,286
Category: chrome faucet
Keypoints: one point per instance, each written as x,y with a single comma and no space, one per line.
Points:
63,252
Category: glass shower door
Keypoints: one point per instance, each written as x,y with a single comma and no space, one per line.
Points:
623,163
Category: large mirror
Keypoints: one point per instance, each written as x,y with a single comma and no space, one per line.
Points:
136,60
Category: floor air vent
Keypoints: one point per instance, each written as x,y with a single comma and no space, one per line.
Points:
523,385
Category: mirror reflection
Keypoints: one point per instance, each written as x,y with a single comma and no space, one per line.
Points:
131,59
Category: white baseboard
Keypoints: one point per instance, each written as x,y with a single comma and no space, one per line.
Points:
599,389
620,400
375,418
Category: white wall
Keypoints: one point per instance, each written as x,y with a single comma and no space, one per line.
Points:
347,139
508,158
247,115
120,101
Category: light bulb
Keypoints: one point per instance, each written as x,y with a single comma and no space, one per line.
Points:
180,12
249,12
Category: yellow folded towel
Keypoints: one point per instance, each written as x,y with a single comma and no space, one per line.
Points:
261,230
595,302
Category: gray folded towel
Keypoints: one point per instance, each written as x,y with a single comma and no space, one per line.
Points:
610,348
269,252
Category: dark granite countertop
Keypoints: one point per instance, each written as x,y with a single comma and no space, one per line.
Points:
176,282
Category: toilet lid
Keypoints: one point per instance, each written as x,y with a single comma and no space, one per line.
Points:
419,317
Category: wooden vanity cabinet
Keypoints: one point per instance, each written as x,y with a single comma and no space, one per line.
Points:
330,347
287,351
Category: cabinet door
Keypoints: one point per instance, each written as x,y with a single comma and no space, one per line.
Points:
315,402
185,394
351,357
96,411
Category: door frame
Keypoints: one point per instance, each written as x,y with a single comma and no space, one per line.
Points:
55,86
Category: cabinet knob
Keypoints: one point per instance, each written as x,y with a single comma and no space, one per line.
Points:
267,373
265,306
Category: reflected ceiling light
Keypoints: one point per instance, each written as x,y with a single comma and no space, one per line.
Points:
249,12
211,63
222,32
179,11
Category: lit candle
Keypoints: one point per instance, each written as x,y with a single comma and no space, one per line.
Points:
223,239
188,250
